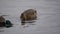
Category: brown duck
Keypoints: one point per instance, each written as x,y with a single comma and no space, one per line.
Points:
2,21
28,15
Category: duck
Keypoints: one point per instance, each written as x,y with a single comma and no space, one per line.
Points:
2,21
28,15
5,23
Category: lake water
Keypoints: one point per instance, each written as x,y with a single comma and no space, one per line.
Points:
48,21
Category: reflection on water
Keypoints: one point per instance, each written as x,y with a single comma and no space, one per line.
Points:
32,22
1,29
24,22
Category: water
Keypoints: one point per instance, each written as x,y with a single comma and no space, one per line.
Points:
48,21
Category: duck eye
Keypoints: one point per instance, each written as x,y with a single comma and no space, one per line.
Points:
35,11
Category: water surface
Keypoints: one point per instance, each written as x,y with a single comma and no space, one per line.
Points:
48,21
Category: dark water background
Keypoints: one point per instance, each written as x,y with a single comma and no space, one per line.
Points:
48,21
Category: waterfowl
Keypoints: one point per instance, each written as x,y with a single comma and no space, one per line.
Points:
29,14
2,21
5,23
